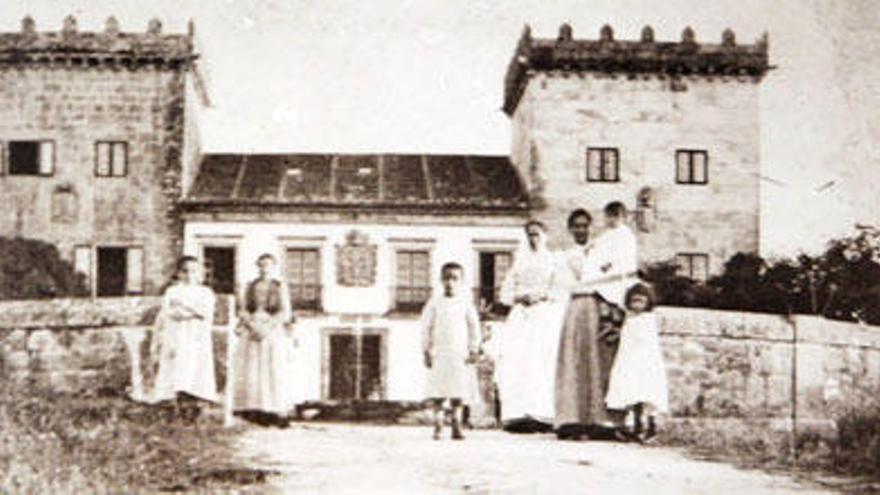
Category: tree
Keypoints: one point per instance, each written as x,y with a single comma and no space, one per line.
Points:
33,269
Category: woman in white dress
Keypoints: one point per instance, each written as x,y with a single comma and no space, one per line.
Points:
529,339
264,389
186,360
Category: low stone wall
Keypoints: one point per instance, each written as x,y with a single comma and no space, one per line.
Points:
720,364
730,364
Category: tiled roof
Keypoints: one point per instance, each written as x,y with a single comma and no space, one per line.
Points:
424,182
645,56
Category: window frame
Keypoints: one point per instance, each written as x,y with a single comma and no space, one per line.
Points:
6,161
96,269
316,304
478,282
691,153
690,257
203,260
604,177
411,305
111,144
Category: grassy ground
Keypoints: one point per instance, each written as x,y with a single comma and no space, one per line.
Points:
845,456
55,443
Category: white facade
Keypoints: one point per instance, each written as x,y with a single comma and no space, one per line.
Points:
356,310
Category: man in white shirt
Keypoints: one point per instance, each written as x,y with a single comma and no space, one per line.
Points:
613,261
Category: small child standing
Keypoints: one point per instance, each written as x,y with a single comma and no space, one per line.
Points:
451,339
638,377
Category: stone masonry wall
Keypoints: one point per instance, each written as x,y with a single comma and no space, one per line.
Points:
562,114
719,364
75,107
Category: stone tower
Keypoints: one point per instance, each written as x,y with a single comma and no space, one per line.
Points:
671,129
92,139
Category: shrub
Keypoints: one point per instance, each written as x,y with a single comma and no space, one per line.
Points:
32,269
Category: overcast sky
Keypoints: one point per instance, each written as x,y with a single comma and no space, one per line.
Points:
420,76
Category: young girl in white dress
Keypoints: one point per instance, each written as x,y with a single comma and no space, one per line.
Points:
638,377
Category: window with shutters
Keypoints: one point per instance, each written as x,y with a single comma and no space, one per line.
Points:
692,167
493,268
303,272
694,266
413,280
31,158
111,159
603,165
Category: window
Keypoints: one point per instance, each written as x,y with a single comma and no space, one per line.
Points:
303,272
111,159
602,165
413,286
31,158
220,268
691,167
354,365
694,266
493,266
119,271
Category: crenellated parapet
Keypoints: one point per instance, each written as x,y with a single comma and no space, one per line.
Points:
646,56
111,48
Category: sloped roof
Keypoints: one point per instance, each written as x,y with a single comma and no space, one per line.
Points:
425,182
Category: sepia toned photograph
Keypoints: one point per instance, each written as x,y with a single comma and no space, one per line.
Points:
430,247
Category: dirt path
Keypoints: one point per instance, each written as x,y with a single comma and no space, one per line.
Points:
342,458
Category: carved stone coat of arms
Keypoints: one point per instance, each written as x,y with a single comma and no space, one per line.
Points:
356,261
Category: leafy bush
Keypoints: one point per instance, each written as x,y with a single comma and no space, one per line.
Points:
843,283
32,269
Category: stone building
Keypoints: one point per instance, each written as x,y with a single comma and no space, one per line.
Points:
91,140
670,129
360,240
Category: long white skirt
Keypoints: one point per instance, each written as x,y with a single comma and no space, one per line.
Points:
528,348
264,373
186,361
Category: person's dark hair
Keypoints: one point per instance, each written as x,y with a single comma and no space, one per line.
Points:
449,266
534,221
580,212
615,208
266,256
641,289
182,261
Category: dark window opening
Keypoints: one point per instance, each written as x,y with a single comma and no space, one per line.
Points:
493,268
220,269
31,158
355,367
112,271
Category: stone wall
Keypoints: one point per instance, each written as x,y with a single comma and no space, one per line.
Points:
561,114
720,364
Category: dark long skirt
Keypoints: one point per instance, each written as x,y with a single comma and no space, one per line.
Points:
584,366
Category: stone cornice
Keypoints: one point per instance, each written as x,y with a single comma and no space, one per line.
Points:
109,49
645,56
